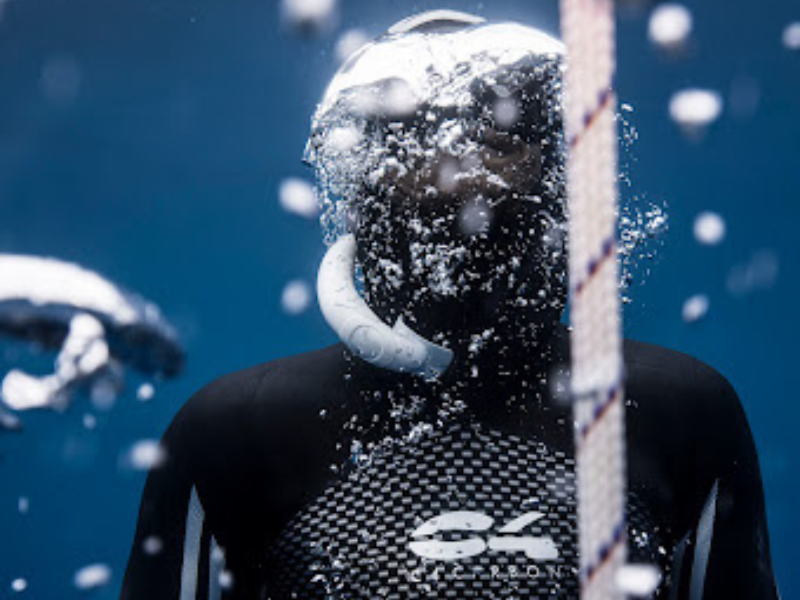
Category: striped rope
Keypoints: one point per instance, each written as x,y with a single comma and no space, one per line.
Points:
597,366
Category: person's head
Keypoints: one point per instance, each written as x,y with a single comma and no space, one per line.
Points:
442,143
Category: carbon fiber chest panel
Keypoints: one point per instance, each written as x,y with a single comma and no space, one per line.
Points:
462,513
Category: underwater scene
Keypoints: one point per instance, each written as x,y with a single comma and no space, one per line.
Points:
299,299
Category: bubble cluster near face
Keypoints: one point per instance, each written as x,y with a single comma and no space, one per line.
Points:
439,126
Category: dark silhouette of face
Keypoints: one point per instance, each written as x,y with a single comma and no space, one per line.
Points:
464,235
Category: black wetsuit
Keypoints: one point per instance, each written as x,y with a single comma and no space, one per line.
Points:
319,476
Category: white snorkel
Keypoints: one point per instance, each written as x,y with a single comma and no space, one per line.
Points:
396,348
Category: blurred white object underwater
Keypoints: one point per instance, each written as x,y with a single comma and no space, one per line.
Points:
670,26
96,325
310,16
695,308
92,577
350,42
297,196
296,297
695,109
709,228
791,36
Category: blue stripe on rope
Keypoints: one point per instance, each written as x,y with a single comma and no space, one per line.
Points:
605,552
601,408
606,251
590,117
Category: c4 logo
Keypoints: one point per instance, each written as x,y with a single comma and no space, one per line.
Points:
506,538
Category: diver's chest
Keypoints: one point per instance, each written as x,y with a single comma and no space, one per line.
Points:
464,511
467,512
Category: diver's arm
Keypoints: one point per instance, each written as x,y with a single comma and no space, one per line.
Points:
731,555
211,450
171,554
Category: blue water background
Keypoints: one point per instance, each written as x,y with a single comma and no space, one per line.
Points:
163,175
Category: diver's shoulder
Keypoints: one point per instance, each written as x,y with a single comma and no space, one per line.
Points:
259,424
676,400
286,383
664,369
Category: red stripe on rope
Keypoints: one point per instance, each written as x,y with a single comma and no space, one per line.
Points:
601,409
605,554
590,117
595,264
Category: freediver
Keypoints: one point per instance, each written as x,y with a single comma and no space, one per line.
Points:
430,455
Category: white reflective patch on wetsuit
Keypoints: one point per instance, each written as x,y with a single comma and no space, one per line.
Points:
191,547
705,535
